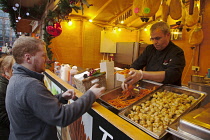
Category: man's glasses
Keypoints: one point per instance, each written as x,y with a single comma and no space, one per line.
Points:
155,38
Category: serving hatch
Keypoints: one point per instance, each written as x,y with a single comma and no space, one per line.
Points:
155,112
140,89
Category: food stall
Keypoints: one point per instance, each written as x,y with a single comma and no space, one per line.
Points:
78,38
106,121
103,124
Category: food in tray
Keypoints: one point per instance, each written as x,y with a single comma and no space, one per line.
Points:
129,96
161,110
122,74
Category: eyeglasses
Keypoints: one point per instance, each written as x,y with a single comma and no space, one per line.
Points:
155,38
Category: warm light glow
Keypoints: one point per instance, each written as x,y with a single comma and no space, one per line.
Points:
70,23
119,29
145,29
122,22
114,30
90,20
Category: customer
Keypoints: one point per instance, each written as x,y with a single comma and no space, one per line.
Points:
33,111
6,63
163,60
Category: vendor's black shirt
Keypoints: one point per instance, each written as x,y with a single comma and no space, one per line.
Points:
171,60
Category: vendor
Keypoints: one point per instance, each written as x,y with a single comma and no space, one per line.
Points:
163,60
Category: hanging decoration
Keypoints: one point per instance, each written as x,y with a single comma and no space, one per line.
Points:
145,8
52,21
55,30
196,35
192,19
175,9
63,10
164,10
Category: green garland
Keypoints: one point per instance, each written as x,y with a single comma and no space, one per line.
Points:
60,14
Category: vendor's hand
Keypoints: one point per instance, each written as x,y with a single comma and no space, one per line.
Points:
97,91
134,76
124,86
69,94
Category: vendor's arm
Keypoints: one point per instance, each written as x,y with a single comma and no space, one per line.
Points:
157,76
136,75
168,69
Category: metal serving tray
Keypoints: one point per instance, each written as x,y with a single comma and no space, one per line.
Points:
103,100
193,125
199,96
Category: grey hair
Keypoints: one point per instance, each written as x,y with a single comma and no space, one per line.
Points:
163,26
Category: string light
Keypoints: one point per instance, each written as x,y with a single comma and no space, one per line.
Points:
14,8
17,5
145,29
90,20
17,8
122,22
70,23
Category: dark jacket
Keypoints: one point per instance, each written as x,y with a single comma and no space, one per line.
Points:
171,60
34,112
4,120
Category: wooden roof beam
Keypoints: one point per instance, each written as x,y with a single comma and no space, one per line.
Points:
132,22
114,19
101,9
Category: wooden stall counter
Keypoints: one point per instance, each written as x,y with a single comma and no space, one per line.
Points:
98,123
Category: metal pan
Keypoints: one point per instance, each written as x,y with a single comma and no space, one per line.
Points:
103,100
199,96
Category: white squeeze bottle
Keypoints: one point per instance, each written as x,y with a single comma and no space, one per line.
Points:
73,71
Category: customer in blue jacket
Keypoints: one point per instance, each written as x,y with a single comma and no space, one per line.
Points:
33,111
163,61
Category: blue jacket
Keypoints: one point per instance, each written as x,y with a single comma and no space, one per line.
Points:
34,112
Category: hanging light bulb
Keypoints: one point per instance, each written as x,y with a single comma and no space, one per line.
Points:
145,29
70,23
90,20
14,8
122,22
17,5
27,14
19,18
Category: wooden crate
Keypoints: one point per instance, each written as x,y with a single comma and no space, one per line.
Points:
85,84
